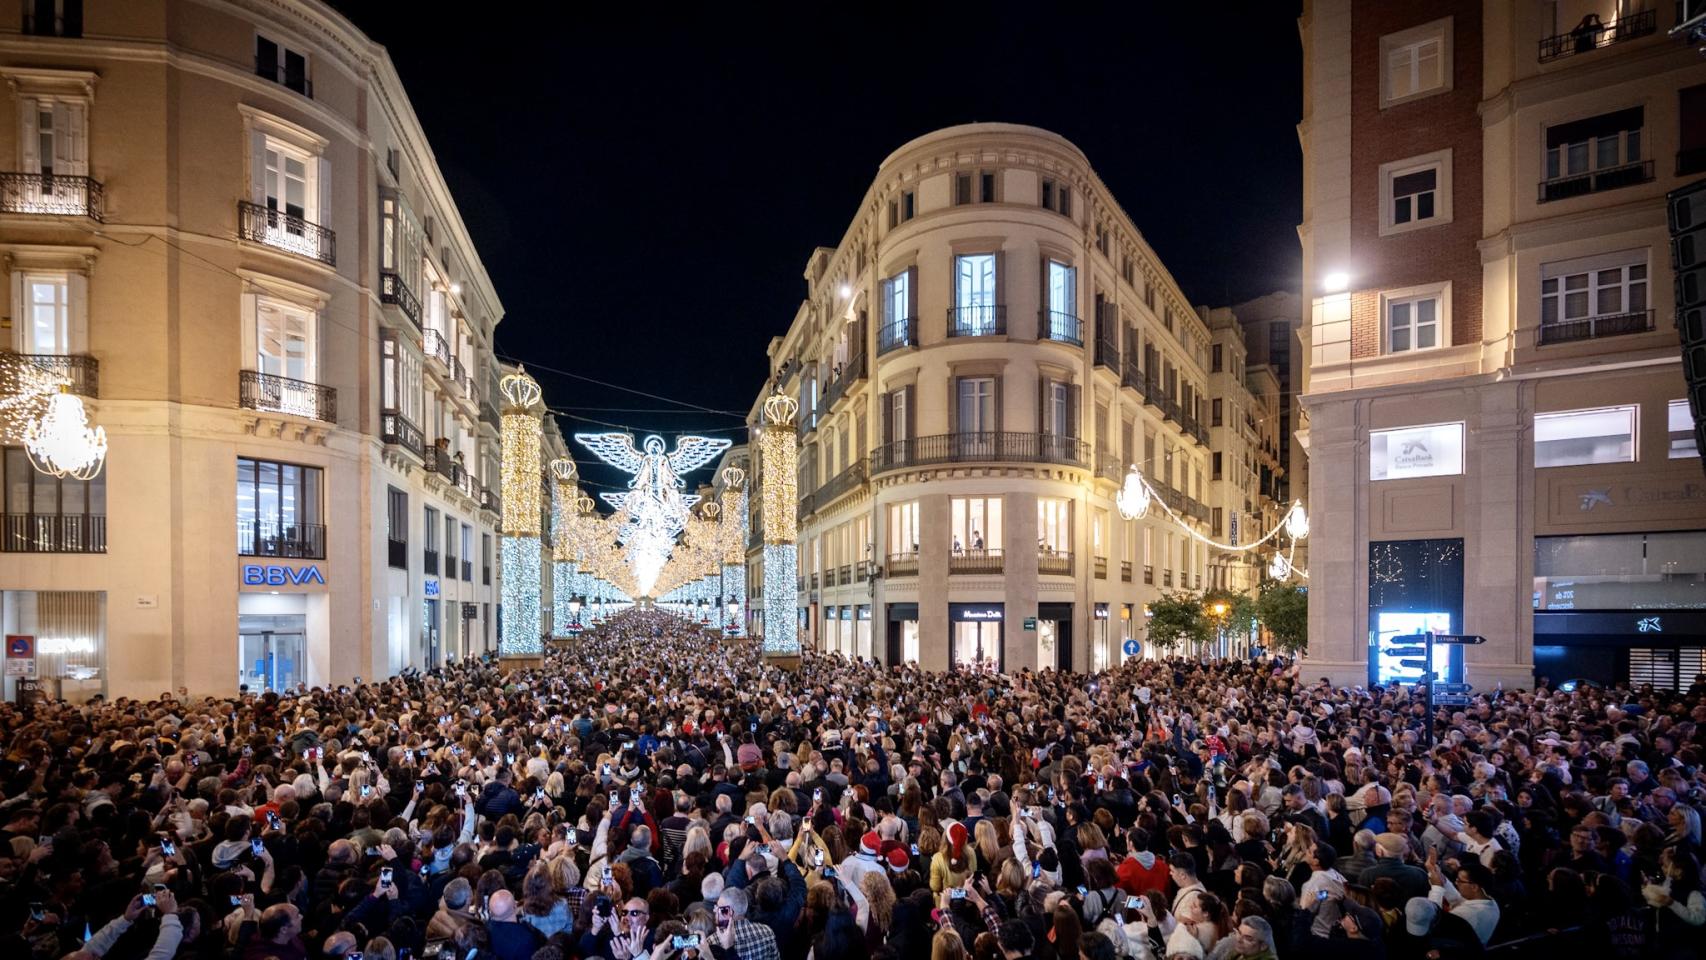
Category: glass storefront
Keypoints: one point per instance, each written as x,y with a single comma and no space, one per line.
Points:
272,641
1414,586
66,632
975,636
1621,571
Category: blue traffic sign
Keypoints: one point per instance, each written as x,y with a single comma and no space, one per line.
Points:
1451,688
1132,648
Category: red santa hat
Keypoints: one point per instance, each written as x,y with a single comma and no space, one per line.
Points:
957,839
898,860
870,843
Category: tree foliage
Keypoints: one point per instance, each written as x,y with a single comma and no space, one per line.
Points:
1284,609
1178,618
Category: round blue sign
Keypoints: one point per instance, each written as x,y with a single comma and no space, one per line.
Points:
1132,648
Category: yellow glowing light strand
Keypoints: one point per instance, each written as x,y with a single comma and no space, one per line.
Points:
1295,523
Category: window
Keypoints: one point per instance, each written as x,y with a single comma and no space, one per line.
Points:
400,384
276,62
1417,62
1054,525
1434,450
976,404
53,18
1057,419
896,306
975,523
1593,154
283,338
486,559
976,313
53,142
901,209
1680,422
279,510
1217,460
1215,407
903,528
286,180
962,188
899,419
986,188
1593,296
44,514
1057,197
449,546
1217,361
1573,437
1412,323
397,527
1062,303
47,326
1415,192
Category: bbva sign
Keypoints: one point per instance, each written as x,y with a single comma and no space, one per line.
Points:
273,575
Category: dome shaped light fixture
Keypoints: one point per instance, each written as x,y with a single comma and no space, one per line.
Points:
1297,521
1133,498
60,443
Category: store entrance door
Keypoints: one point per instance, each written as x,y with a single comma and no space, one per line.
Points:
429,631
270,654
1054,621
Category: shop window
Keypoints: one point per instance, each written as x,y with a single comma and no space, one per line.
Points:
279,510
1433,450
1680,423
1574,437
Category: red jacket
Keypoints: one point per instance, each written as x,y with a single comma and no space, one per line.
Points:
1138,880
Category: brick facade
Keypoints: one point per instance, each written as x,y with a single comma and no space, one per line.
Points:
1446,120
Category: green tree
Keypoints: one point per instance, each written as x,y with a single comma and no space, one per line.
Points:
1284,609
1178,618
1232,612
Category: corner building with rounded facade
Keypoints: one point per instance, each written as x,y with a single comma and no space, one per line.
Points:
978,362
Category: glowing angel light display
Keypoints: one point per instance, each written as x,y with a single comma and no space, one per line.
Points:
655,508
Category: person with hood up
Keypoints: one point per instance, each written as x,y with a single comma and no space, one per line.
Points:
1142,870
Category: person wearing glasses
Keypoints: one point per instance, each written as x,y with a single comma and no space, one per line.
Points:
752,941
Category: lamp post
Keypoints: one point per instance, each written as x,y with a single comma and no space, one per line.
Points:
519,547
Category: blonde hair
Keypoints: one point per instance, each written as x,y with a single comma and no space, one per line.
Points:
947,945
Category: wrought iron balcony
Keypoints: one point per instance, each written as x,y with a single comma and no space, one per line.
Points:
429,561
1593,328
54,533
397,553
1587,39
849,374
975,561
489,414
393,290
271,393
1166,578
436,348
983,447
977,320
897,334
441,461
1108,466
1060,327
1054,562
807,503
849,479
490,502
1108,349
814,580
904,564
81,372
50,195
1149,574
846,574
270,538
1099,566
1125,571
1131,376
394,428
1596,181
275,228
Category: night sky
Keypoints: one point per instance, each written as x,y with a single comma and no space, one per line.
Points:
645,192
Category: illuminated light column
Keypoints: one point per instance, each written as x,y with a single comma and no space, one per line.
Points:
734,550
779,458
562,546
520,547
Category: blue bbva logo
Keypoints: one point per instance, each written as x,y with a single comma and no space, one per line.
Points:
269,575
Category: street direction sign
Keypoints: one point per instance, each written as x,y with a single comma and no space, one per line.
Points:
1467,639
1451,689
1450,700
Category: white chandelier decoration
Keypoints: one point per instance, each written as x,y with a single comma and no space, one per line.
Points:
61,443
1136,495
655,506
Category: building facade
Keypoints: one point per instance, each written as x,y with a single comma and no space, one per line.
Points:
224,227
978,362
1496,427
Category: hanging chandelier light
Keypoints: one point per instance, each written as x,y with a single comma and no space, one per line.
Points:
1297,521
1133,498
61,443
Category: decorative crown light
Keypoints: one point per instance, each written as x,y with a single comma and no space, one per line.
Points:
1133,498
563,469
584,504
60,442
733,477
521,390
779,409
1297,521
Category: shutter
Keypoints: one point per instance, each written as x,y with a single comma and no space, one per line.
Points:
250,350
911,297
911,422
323,215
29,138
953,404
1045,321
1000,285
1072,400
20,324
77,289
997,401
1043,425
888,418
258,167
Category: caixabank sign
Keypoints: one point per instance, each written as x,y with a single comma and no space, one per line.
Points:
281,575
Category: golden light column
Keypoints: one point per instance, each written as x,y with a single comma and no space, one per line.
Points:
520,547
734,550
778,499
562,546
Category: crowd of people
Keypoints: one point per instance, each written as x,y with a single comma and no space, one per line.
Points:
657,792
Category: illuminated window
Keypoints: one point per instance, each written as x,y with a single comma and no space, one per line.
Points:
1434,450
975,523
1681,426
1573,437
1416,62
903,528
1054,525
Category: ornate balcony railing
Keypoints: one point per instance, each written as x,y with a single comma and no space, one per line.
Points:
275,228
392,289
275,394
977,320
1054,562
1592,328
80,371
397,553
50,195
1099,566
1125,571
436,348
903,564
490,502
850,373
1595,181
394,428
54,533
1060,327
1108,350
987,560
1000,447
897,334
1149,574
1132,376
429,561
1587,39
270,538
807,503
849,479
441,461
1108,466
845,574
